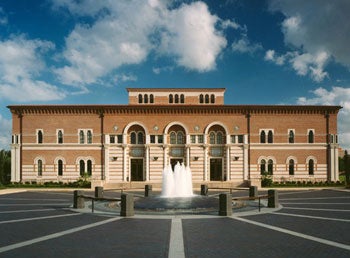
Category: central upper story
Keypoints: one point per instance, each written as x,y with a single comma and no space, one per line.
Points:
176,96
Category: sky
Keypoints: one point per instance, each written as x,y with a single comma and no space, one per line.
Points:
277,52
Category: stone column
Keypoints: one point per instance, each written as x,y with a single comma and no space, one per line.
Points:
78,201
228,163
245,162
99,192
147,163
127,205
125,171
187,155
253,191
148,190
205,156
225,204
272,199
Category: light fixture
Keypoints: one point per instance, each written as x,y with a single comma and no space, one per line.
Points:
196,128
114,158
195,158
236,158
155,128
155,158
115,128
236,128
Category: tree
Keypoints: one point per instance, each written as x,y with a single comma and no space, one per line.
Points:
5,166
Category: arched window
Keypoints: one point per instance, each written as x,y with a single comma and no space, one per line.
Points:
89,167
201,99
270,166
206,98
262,166
291,136
81,137
291,167
133,138
60,137
40,136
82,167
182,98
145,98
171,98
172,138
151,98
176,98
140,138
311,167
60,168
89,137
40,167
219,138
270,137
212,98
140,98
311,136
262,137
180,138
212,138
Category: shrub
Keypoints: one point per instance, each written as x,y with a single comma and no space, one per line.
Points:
266,180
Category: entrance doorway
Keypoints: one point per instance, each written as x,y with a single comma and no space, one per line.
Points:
137,170
173,162
216,170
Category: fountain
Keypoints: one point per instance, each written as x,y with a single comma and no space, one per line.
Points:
177,183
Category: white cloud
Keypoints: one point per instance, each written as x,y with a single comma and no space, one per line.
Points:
271,55
192,38
5,133
335,96
21,63
304,64
243,45
126,32
316,26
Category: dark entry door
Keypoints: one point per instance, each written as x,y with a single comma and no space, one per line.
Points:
137,170
173,162
216,170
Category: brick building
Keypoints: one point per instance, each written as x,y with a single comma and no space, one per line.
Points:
131,144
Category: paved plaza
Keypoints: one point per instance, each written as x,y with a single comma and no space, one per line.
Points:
309,223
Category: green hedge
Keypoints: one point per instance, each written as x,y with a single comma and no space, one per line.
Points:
306,184
81,183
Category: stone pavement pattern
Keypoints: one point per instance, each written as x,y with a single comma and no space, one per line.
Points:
310,224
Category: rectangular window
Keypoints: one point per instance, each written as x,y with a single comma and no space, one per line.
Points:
120,138
112,139
153,139
233,138
241,138
200,139
160,138
193,139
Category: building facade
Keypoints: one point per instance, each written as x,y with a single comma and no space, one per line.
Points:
222,144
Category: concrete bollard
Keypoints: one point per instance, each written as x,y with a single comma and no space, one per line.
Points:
253,191
78,201
204,190
99,192
127,205
148,190
272,199
225,204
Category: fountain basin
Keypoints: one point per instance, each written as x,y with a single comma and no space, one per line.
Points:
177,205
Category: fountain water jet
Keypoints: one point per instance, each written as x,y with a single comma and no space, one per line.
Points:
177,183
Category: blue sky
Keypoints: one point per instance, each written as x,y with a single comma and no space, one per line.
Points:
89,52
